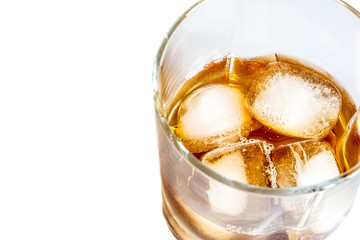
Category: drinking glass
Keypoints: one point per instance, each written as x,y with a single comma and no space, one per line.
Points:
198,203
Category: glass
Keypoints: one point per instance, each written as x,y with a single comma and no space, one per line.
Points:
325,33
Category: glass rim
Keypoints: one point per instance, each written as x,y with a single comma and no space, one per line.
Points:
346,176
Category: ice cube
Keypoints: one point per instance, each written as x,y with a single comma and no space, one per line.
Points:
304,163
226,200
246,162
211,116
294,100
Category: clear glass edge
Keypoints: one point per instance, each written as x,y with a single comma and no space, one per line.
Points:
346,176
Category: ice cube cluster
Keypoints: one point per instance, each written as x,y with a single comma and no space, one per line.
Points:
216,120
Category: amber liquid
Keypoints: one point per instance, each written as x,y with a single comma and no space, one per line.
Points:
183,221
238,72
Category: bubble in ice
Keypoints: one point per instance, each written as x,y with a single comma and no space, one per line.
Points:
304,163
247,162
294,101
211,116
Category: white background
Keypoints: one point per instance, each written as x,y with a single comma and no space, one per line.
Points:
78,151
